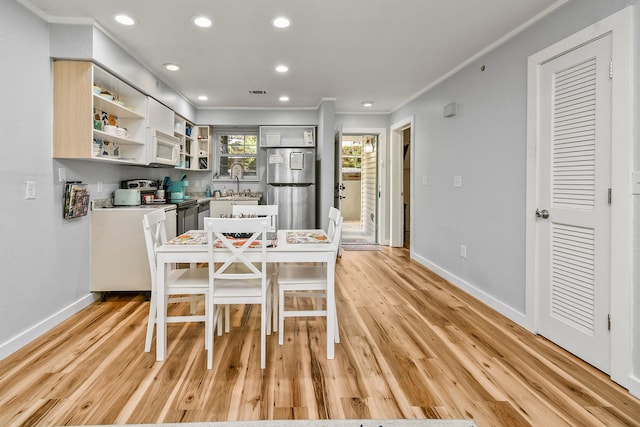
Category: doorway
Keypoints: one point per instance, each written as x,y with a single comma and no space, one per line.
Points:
359,188
406,186
401,183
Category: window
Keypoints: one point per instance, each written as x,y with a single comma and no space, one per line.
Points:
237,149
351,157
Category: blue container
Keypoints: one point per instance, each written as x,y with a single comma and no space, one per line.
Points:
177,189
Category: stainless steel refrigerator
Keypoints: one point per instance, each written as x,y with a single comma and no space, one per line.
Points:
291,185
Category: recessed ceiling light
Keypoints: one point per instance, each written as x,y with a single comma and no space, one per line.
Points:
203,97
172,67
281,22
124,19
282,68
284,98
367,104
202,21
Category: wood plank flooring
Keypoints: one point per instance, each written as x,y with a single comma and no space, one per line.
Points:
413,346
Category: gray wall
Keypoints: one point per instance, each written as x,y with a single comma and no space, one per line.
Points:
237,116
485,143
325,161
45,259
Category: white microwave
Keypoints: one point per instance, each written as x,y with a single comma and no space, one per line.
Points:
163,149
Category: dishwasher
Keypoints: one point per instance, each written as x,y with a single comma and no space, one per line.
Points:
203,212
187,215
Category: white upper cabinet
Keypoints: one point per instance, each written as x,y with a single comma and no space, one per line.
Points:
160,117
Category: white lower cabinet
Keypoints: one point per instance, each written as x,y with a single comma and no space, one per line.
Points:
119,259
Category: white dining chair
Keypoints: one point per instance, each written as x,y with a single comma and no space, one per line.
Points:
334,216
182,285
271,212
234,278
307,280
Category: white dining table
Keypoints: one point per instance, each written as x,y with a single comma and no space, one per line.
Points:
194,250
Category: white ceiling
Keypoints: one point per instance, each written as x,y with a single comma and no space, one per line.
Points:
386,51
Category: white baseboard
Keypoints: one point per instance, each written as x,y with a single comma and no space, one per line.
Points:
497,305
25,337
634,386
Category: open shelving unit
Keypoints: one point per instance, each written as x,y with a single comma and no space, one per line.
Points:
81,111
195,147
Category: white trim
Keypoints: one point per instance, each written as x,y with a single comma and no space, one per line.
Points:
634,386
620,26
495,304
382,173
25,337
396,232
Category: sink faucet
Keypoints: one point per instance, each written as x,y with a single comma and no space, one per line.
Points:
237,184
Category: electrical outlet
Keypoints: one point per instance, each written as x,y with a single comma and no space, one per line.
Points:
457,181
425,180
31,190
463,251
99,187
62,174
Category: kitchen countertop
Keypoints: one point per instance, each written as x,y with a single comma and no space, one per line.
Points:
165,206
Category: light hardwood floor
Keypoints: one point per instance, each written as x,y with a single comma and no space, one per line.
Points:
413,346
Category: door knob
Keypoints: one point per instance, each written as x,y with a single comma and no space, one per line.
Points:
544,214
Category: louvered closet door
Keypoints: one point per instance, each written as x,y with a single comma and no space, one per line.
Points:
574,178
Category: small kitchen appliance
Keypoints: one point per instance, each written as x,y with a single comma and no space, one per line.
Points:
140,184
177,190
126,197
147,189
163,149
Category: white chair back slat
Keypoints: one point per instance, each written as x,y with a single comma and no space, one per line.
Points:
155,234
270,211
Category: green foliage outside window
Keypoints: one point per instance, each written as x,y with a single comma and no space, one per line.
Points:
351,155
238,148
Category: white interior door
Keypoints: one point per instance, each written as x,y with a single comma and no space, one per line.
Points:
573,225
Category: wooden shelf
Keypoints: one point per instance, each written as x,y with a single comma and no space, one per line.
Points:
116,109
99,134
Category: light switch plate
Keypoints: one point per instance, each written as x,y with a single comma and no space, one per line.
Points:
31,190
457,181
425,180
